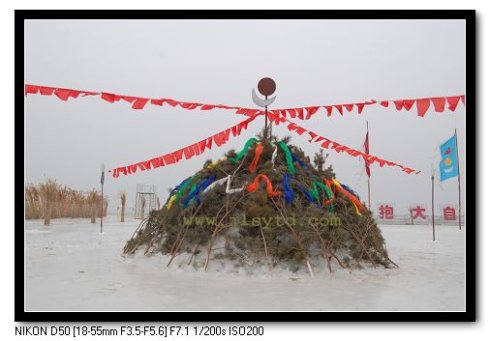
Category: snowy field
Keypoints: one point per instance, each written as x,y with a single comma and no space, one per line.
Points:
71,266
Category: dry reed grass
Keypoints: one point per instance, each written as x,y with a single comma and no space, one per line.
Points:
50,200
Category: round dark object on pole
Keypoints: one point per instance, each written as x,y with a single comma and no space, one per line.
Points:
266,86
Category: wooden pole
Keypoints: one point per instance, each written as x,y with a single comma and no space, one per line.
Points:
369,175
102,208
433,217
459,180
102,198
265,128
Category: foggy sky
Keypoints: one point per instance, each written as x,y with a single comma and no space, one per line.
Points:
314,62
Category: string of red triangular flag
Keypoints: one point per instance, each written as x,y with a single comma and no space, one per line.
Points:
422,105
187,152
339,148
440,104
136,102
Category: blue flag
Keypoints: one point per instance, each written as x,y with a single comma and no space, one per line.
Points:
449,163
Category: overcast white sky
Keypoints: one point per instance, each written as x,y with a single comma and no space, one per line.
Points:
313,62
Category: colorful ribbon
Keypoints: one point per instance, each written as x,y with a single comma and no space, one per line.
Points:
230,190
289,158
307,194
194,193
355,201
170,201
244,150
253,186
274,155
298,160
215,163
214,184
255,161
288,191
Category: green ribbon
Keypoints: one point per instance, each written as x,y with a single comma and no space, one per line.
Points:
289,157
314,192
327,191
184,186
244,151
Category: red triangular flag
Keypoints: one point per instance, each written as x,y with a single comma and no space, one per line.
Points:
46,91
311,111
463,99
171,102
62,94
349,107
398,104
360,107
292,113
385,103
329,110
202,145
108,97
313,135
422,106
169,159
31,89
300,113
453,102
207,107
408,104
209,142
339,108
156,101
439,103
140,103
178,155
128,99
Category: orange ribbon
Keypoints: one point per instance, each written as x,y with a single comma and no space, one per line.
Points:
255,161
254,185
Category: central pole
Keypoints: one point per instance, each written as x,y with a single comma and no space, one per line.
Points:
265,128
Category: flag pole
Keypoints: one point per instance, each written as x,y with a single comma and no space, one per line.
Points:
433,218
369,175
459,179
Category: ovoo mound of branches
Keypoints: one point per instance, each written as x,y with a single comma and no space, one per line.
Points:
293,221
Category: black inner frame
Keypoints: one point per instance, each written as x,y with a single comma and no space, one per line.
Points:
191,316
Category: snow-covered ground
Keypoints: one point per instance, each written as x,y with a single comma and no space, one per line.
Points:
71,266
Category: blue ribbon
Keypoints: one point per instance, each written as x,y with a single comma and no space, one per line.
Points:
195,193
306,193
298,160
176,188
288,191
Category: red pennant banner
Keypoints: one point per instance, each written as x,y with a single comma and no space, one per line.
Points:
303,113
422,105
137,103
187,152
339,148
